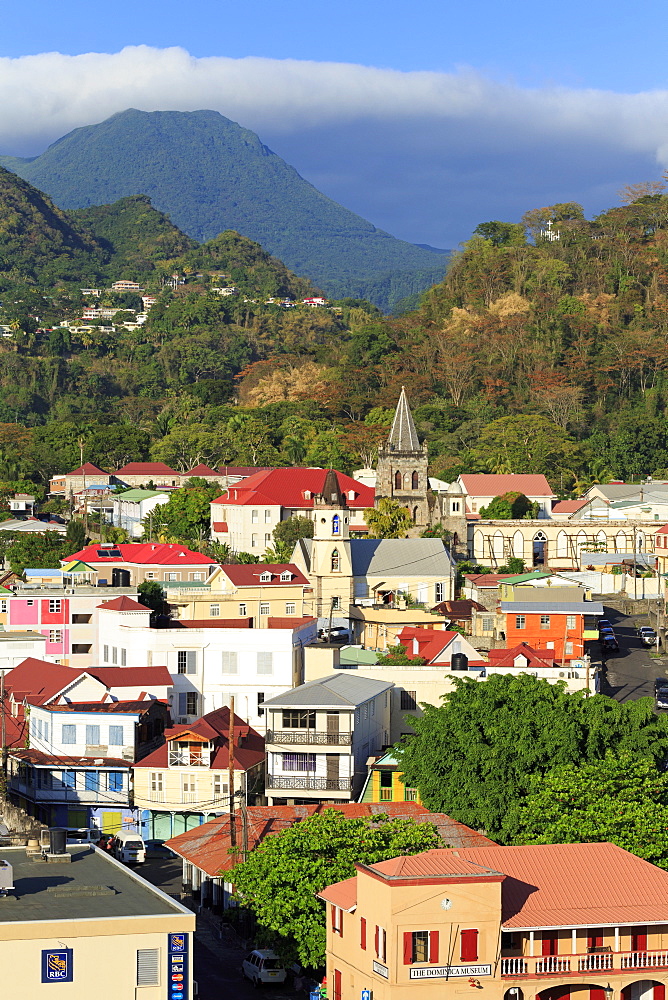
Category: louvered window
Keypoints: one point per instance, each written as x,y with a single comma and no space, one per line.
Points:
148,967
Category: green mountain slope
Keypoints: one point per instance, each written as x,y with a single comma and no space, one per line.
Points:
209,175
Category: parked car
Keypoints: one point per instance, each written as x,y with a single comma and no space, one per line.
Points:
334,634
263,966
607,632
648,635
604,623
661,692
610,644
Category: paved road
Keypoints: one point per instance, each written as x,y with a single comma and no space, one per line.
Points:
631,672
217,967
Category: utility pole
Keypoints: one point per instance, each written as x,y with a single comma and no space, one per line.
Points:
230,778
4,727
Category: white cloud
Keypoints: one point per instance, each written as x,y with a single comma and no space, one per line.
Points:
366,133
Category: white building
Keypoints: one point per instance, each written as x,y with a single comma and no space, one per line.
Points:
319,737
210,660
129,509
480,489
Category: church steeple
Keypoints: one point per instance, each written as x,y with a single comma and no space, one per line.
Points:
403,436
330,510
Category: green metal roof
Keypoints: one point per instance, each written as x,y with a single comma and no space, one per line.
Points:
351,654
525,577
138,495
77,566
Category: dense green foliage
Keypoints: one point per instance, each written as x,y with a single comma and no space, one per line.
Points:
396,657
210,174
509,506
475,756
26,549
280,878
621,798
389,519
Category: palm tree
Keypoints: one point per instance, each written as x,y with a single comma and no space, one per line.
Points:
388,520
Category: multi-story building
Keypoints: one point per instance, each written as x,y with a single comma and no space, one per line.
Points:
209,659
143,473
185,781
319,737
128,565
129,509
384,782
552,624
92,927
546,921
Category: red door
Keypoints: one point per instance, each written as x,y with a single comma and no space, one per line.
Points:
639,939
337,985
550,943
598,993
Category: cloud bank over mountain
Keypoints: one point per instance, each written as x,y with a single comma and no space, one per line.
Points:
424,155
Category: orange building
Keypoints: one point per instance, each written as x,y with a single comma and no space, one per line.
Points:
562,627
550,922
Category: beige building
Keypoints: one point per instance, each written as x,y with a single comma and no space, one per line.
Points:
249,590
545,921
92,926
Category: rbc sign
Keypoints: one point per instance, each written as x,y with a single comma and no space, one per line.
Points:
57,966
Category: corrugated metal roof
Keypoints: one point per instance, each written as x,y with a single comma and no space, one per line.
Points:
340,690
432,864
552,607
399,556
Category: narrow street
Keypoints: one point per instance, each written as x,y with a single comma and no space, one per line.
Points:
631,671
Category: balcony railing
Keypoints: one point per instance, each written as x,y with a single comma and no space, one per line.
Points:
310,784
182,758
551,965
303,737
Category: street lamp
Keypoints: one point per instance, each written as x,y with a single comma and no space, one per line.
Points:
608,990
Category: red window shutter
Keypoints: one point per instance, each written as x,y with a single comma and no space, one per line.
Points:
408,948
334,918
639,939
363,933
433,947
375,940
469,945
549,943
337,984
595,938
659,991
340,923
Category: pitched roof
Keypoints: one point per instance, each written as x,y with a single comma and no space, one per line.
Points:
551,605
141,677
248,574
403,436
486,579
495,485
343,689
123,604
431,864
404,556
506,657
214,727
129,707
208,846
459,609
568,506
141,553
201,470
147,469
342,894
37,757
137,495
286,487
87,469
39,679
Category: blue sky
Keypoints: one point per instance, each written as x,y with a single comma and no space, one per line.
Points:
425,117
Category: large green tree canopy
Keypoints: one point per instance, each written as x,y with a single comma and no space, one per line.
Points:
281,877
475,755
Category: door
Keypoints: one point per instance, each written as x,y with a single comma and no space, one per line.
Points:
550,943
111,821
332,727
332,770
639,939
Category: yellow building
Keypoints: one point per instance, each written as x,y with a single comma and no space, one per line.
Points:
384,782
247,590
550,922
87,923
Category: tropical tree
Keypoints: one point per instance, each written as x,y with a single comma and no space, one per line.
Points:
388,519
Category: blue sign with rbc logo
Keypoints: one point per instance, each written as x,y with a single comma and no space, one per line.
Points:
177,966
57,966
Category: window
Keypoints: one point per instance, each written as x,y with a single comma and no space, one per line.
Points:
265,663
124,658
197,576
150,576
363,933
67,779
69,734
186,661
286,576
544,621
93,736
265,577
115,736
336,524
380,943
264,609
156,781
214,611
410,794
92,781
114,654
29,603
191,702
260,702
408,701
115,781
336,561
188,784
290,608
397,480
455,506
172,576
219,786
254,517
439,592
253,541
570,621
420,946
267,516
336,604
55,635
299,762
229,662
44,779
267,539
242,610
81,647
293,719
105,654
148,967
337,992
415,481
520,621
3,607
569,648
55,607
487,624
469,946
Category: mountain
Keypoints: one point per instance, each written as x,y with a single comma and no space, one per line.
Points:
209,175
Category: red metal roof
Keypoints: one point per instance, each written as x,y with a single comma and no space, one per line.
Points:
201,470
487,579
291,622
88,469
494,485
208,846
342,894
248,744
143,554
144,677
430,864
506,657
248,574
123,604
286,487
37,757
569,506
220,527
147,469
40,679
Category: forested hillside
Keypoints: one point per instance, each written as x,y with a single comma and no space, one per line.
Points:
210,175
534,354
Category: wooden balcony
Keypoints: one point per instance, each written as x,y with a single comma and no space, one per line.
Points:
604,962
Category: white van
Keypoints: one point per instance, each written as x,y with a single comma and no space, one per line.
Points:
129,847
73,835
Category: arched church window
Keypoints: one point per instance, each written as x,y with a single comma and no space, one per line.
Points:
397,480
336,561
336,524
415,480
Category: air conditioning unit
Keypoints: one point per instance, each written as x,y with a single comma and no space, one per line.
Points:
183,722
